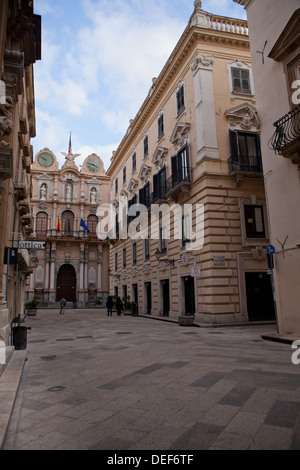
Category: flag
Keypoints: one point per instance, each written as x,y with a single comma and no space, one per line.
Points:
70,145
58,226
82,224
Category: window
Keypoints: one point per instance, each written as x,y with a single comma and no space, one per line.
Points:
254,219
132,202
160,184
180,167
134,253
67,222
162,239
186,235
124,257
146,146
180,102
116,261
147,248
134,162
92,222
144,195
41,224
245,151
116,185
124,174
160,126
241,81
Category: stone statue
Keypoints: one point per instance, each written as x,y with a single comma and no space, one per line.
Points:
43,192
68,191
93,196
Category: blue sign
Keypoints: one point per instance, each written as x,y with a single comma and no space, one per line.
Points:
271,249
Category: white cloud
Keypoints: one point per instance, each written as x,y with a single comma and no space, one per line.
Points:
97,67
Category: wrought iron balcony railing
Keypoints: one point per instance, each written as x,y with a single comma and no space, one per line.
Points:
245,164
287,131
53,233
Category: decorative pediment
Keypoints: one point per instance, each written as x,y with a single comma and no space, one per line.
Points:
180,134
144,173
160,157
132,186
245,116
44,177
289,39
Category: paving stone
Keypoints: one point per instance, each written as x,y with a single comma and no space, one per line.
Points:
130,383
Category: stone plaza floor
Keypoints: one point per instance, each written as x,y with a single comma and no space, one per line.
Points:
93,382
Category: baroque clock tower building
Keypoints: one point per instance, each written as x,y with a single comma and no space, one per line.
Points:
64,201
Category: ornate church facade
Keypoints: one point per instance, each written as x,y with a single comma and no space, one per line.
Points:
70,260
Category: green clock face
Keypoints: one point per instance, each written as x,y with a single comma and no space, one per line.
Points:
45,159
93,165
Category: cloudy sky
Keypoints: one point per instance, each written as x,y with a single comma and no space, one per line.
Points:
98,61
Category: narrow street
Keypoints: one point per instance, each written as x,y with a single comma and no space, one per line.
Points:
133,383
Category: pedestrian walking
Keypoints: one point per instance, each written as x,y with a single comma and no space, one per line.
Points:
74,302
109,305
119,306
63,304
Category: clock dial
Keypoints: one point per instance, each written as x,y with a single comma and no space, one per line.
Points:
93,165
45,159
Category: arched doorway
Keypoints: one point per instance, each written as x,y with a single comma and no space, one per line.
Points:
92,222
67,219
41,224
66,283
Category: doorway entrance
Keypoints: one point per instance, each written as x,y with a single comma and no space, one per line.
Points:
166,297
189,295
66,283
148,298
259,297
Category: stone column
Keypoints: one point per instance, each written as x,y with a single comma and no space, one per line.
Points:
207,145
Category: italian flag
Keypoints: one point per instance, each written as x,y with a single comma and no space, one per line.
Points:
70,145
58,226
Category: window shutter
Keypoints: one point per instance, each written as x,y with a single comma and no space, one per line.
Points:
174,167
155,185
234,150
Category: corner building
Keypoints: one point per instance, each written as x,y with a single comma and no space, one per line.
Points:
20,48
196,140
277,82
64,202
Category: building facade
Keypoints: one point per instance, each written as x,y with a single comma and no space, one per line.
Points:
20,48
194,146
74,263
275,46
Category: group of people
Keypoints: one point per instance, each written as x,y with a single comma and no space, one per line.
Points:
109,305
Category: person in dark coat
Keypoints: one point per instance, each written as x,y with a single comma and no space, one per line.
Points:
119,306
109,305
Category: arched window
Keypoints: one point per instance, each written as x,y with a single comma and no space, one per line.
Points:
92,223
41,224
67,223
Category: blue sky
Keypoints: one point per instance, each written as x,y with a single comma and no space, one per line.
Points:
98,61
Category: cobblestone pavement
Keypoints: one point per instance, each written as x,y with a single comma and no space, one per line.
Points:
132,383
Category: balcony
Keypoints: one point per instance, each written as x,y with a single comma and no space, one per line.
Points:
66,235
179,184
286,139
247,165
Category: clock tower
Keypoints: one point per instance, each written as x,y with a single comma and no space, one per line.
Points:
64,204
